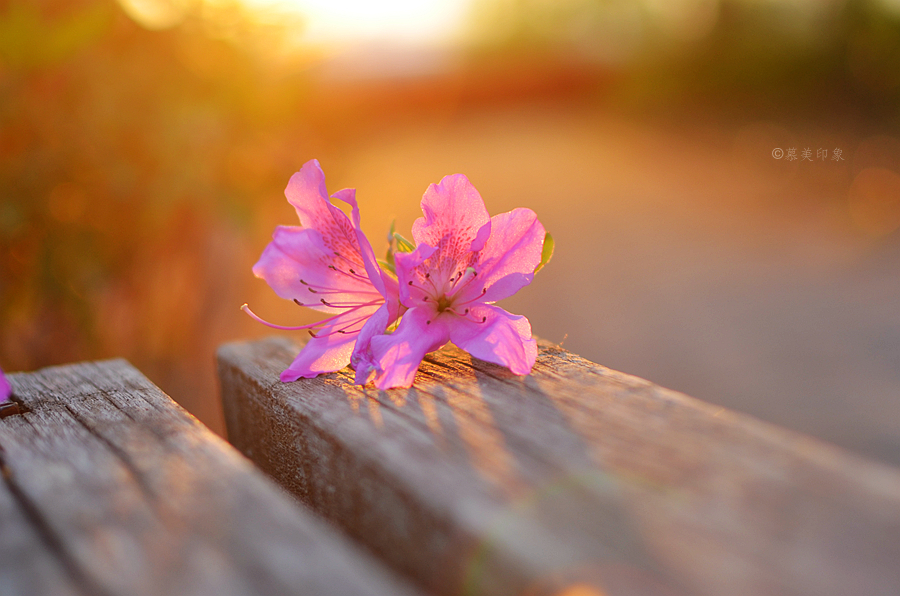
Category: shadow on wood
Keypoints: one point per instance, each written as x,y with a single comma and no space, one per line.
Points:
476,481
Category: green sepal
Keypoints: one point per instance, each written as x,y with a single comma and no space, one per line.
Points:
388,262
388,265
390,236
403,245
396,243
546,252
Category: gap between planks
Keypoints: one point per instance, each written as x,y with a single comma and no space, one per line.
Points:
109,488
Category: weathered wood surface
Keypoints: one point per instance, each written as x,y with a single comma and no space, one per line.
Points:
574,478
109,488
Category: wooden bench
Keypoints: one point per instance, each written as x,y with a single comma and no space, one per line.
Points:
109,488
575,480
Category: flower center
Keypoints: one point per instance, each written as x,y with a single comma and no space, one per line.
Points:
443,304
446,296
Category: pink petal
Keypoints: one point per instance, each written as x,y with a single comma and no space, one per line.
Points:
384,283
502,338
5,388
397,356
456,222
406,264
361,359
330,350
376,275
306,192
320,355
297,254
511,254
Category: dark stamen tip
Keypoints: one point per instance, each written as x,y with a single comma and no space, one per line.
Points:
427,275
311,332
304,283
410,283
353,272
467,312
425,299
298,302
428,322
312,290
483,319
332,267
337,253
323,301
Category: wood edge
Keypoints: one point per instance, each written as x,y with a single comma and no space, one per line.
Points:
879,477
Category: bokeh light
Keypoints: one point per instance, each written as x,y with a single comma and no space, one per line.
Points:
145,146
353,21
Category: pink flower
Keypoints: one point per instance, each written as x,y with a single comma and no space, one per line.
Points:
463,262
5,388
327,265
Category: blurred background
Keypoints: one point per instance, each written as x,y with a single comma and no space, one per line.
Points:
145,146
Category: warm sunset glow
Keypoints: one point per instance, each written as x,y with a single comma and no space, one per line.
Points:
339,21
325,22
156,14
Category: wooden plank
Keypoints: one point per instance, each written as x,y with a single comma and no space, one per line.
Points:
109,488
574,480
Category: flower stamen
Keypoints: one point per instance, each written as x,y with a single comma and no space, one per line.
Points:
351,262
471,300
343,330
351,273
246,308
351,305
463,280
349,308
325,290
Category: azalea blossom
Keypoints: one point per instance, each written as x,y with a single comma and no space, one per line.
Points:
5,388
463,262
327,264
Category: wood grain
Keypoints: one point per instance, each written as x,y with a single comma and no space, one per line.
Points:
109,488
574,480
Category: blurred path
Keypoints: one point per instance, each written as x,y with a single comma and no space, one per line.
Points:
686,255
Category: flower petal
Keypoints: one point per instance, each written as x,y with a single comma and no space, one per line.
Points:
362,359
331,348
502,338
511,254
5,388
456,222
384,283
397,356
409,279
320,355
298,265
306,192
376,275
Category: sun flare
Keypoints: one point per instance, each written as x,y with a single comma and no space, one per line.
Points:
339,21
